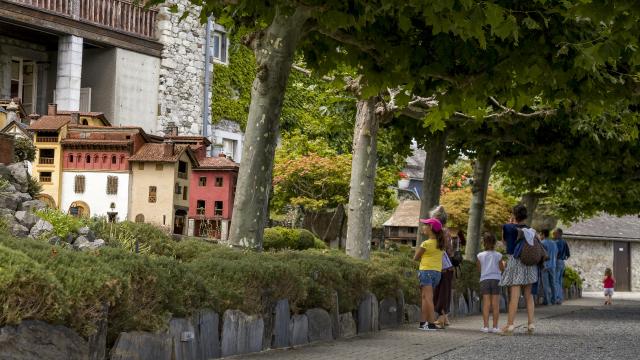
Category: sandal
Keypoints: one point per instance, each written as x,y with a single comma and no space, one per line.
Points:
507,330
530,329
439,324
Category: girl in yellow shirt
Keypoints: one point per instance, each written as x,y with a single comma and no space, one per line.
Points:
429,254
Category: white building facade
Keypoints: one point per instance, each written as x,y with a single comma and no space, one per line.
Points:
91,193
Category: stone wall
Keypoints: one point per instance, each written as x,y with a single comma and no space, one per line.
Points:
635,266
590,258
180,93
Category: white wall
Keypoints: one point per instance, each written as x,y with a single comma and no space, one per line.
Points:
136,90
98,70
95,194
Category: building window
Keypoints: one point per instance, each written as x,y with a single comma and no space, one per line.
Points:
229,148
104,159
71,158
139,218
114,159
79,184
411,230
219,47
88,159
182,169
112,185
177,189
45,177
218,182
217,208
200,206
46,156
85,122
202,181
159,167
152,194
184,193
140,166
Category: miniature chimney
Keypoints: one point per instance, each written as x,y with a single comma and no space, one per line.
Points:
75,118
33,118
171,129
167,148
222,155
52,109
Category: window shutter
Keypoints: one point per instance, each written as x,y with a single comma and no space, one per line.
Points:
152,194
79,184
112,185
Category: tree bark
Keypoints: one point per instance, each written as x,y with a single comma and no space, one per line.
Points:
530,201
481,174
363,173
432,180
274,49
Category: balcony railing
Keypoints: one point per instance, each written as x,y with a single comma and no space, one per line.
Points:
45,179
120,15
45,161
182,176
47,139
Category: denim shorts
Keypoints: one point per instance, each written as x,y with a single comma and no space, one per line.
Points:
429,278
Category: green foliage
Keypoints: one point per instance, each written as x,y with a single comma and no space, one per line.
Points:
393,270
456,176
469,278
34,187
63,224
497,210
571,277
280,238
125,235
23,150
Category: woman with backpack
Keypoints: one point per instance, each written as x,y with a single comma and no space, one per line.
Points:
518,276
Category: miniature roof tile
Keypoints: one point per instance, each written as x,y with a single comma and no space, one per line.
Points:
406,214
51,122
217,163
155,152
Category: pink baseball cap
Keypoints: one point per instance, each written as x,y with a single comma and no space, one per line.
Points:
436,225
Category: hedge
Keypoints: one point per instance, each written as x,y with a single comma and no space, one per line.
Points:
279,238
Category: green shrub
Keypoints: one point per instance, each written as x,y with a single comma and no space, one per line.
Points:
149,238
63,224
392,270
23,149
571,277
280,238
319,244
468,278
34,188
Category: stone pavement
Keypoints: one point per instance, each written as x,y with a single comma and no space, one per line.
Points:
410,343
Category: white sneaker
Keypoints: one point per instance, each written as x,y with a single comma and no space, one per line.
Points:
485,330
495,331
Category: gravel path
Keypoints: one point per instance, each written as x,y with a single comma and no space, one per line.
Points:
592,333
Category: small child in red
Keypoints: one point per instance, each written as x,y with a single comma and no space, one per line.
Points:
609,282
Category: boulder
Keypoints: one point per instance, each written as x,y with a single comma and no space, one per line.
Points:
335,315
32,205
40,228
368,314
208,334
98,341
319,325
183,336
4,212
94,245
20,175
347,326
412,313
400,308
298,330
26,218
39,340
388,316
85,231
281,324
19,230
8,187
80,242
55,240
241,333
10,200
462,309
140,345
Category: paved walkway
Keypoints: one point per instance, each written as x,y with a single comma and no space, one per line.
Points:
410,343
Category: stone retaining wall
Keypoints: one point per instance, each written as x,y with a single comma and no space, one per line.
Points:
590,258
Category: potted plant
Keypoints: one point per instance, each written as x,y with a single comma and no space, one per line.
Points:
403,183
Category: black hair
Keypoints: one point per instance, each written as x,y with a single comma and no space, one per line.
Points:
520,212
489,241
545,232
559,231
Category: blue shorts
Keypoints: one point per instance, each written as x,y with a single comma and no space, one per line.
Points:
429,278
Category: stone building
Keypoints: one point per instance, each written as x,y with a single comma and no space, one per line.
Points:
602,242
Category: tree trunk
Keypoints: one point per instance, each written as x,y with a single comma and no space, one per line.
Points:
432,180
274,49
530,201
363,173
481,174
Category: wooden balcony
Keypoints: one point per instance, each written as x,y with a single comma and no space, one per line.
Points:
182,176
118,15
45,161
46,139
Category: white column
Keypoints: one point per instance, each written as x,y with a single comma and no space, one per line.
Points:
69,73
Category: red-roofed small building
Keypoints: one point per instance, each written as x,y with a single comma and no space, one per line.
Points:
213,184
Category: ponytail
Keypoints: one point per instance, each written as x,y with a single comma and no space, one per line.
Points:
440,239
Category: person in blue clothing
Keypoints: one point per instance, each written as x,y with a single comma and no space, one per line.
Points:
563,254
549,269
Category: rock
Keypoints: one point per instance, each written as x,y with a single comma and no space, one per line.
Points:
10,200
388,313
412,313
298,330
368,314
28,219
475,307
462,309
39,340
19,230
86,232
19,173
335,316
347,326
400,307
319,325
140,345
32,206
8,187
183,336
71,238
281,325
241,333
208,334
41,227
4,212
54,240
503,304
98,341
80,242
94,245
